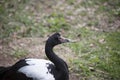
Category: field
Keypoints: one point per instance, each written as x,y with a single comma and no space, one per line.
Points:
95,25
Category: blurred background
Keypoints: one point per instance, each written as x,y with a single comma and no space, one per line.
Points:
95,24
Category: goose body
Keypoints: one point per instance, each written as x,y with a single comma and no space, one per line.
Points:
39,69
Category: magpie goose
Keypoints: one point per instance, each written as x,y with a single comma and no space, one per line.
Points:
39,69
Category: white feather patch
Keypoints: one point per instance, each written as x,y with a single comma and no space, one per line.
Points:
37,69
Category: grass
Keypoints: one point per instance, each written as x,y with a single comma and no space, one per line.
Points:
99,51
97,54
113,61
19,53
56,22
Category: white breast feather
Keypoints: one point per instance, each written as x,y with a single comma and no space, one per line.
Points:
37,69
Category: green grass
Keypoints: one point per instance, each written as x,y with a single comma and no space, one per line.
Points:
113,62
8,10
56,22
71,2
19,53
101,55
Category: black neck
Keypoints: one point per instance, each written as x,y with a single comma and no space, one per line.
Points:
58,62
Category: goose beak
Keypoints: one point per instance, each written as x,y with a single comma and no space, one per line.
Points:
65,40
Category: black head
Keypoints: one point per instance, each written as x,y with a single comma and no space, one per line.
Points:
56,39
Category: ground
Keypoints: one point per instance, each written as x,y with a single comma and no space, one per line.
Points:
25,25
